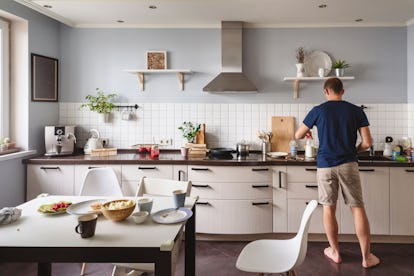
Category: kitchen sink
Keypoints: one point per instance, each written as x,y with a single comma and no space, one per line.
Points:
374,158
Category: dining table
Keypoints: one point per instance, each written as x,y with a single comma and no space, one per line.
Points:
45,238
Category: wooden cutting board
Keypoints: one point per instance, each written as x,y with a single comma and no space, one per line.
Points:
283,130
201,135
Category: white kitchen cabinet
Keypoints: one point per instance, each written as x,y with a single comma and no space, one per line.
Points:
51,179
376,193
80,171
401,196
233,200
131,174
279,190
301,188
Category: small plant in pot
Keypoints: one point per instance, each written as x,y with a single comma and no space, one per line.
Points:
339,67
101,103
300,58
189,130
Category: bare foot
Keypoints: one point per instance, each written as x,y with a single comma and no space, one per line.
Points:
333,255
370,261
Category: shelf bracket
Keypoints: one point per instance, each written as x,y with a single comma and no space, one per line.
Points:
141,79
296,89
181,80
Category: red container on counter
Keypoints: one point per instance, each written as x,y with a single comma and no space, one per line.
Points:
155,151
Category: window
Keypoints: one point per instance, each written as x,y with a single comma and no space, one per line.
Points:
4,79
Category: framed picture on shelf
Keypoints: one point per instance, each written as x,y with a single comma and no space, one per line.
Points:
44,76
156,60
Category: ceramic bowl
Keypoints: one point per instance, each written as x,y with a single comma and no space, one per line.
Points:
125,209
140,217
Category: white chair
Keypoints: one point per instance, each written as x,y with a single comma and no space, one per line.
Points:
156,187
278,256
100,182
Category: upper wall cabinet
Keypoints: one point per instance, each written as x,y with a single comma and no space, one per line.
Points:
141,75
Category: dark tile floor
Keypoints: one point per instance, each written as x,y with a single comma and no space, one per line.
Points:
219,258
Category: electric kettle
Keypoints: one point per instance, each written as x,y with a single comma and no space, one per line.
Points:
93,142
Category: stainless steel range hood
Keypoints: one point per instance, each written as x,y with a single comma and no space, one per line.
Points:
231,79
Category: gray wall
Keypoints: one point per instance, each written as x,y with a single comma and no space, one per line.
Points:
410,63
95,58
44,39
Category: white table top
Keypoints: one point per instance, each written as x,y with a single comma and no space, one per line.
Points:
35,229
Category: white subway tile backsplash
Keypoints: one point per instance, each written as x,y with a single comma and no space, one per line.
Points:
226,124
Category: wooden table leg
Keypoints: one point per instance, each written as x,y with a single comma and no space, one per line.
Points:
190,244
163,264
44,269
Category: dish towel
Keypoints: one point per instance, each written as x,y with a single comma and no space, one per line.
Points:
9,215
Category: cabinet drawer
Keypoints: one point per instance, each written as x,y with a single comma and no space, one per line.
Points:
231,190
302,190
295,212
135,172
301,174
234,216
230,174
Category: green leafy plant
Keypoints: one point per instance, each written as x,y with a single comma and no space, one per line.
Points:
189,130
101,103
340,64
300,55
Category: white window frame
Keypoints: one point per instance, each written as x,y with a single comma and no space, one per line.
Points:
4,78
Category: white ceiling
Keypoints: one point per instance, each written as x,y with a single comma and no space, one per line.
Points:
209,13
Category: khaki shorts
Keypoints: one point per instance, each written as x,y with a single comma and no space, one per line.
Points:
345,176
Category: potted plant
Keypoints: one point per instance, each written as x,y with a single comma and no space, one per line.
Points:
101,103
339,67
300,57
189,131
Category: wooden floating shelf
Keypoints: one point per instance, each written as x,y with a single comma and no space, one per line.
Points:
297,80
141,75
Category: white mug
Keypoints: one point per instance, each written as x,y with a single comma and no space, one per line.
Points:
321,72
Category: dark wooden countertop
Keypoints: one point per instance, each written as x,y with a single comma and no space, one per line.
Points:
171,157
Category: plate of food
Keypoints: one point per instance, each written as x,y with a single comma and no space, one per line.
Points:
315,60
54,208
86,207
172,215
277,154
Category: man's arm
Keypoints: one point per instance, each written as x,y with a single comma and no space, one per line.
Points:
366,138
301,132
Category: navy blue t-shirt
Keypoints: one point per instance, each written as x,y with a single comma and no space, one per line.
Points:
338,123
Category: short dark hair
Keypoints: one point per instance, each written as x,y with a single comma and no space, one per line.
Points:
334,84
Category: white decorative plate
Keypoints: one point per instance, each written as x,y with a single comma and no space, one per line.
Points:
314,61
83,207
277,154
172,215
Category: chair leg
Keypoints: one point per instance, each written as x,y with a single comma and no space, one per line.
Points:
83,269
293,273
261,274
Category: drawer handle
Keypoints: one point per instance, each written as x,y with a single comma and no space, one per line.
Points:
50,168
93,168
260,169
200,186
260,186
179,174
310,169
367,170
307,202
311,186
200,169
260,203
147,168
202,203
280,179
409,170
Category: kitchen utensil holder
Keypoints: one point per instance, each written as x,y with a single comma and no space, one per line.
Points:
265,147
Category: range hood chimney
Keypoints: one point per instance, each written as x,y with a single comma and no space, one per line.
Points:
231,79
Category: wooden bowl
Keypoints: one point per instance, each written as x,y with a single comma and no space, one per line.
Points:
118,213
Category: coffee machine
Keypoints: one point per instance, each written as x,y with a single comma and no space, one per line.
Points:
59,140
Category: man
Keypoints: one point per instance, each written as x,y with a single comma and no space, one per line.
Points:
338,123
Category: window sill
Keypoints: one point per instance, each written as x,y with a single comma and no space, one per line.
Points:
16,155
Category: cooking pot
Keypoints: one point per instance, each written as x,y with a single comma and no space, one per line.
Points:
243,149
93,142
220,152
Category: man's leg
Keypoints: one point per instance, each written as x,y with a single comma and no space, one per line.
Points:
363,233
331,228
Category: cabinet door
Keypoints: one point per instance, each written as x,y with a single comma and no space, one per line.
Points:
80,171
295,212
280,207
376,193
135,172
180,172
234,216
52,179
401,196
